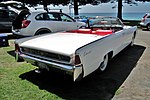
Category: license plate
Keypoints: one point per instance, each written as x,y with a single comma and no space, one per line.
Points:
43,66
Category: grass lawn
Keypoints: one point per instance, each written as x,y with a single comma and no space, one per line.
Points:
12,86
18,81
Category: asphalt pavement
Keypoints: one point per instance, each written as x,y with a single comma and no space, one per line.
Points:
137,84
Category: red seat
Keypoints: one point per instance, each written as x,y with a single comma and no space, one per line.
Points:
93,32
103,32
86,31
73,31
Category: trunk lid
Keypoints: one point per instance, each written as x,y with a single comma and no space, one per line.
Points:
61,43
17,24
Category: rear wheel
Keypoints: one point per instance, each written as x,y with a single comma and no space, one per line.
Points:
104,64
133,38
148,26
42,32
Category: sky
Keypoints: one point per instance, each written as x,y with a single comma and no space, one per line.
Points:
107,8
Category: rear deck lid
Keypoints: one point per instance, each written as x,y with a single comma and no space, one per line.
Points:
62,43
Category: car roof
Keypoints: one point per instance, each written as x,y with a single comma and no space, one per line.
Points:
10,2
10,8
37,11
148,13
41,10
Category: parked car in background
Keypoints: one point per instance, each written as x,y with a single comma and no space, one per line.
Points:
13,4
77,52
9,10
145,22
7,16
35,22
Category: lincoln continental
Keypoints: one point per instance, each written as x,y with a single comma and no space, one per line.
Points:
77,52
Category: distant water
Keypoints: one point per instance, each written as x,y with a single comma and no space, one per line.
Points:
125,16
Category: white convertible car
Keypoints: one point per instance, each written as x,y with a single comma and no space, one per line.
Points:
78,52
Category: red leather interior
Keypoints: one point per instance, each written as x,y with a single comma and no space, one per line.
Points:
103,32
89,31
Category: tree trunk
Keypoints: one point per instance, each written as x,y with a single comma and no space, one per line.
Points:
23,3
120,9
45,5
76,7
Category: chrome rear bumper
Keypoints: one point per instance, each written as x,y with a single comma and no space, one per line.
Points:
75,71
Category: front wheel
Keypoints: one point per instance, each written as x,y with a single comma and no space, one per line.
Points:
104,64
132,41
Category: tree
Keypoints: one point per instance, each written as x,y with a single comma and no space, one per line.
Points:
45,2
96,2
77,3
119,14
84,2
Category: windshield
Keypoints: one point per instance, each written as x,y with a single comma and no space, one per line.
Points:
107,21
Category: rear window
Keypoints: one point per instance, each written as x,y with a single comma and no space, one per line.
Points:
48,16
107,21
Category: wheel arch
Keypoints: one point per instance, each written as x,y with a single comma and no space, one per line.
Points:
148,25
42,30
110,55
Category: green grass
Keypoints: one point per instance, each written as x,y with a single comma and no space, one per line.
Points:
18,81
12,87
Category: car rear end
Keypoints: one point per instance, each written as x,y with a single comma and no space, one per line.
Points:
7,16
145,22
50,54
21,23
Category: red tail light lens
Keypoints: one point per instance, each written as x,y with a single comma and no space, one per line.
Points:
25,23
77,60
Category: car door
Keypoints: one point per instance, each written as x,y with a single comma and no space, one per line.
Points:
55,22
6,18
49,21
68,22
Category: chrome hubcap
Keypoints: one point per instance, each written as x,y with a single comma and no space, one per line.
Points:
104,63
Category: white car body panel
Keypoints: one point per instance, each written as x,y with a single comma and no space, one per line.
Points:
52,26
70,41
90,48
92,54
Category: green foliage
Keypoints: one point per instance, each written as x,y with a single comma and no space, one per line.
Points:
81,2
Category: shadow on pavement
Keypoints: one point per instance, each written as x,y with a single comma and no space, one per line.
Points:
96,86
12,53
145,29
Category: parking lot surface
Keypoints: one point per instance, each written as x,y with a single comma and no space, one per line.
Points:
137,84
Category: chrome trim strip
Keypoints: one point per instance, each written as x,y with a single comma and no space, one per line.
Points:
65,62
57,65
75,71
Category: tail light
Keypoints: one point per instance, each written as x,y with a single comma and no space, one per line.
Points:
77,60
25,23
17,49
